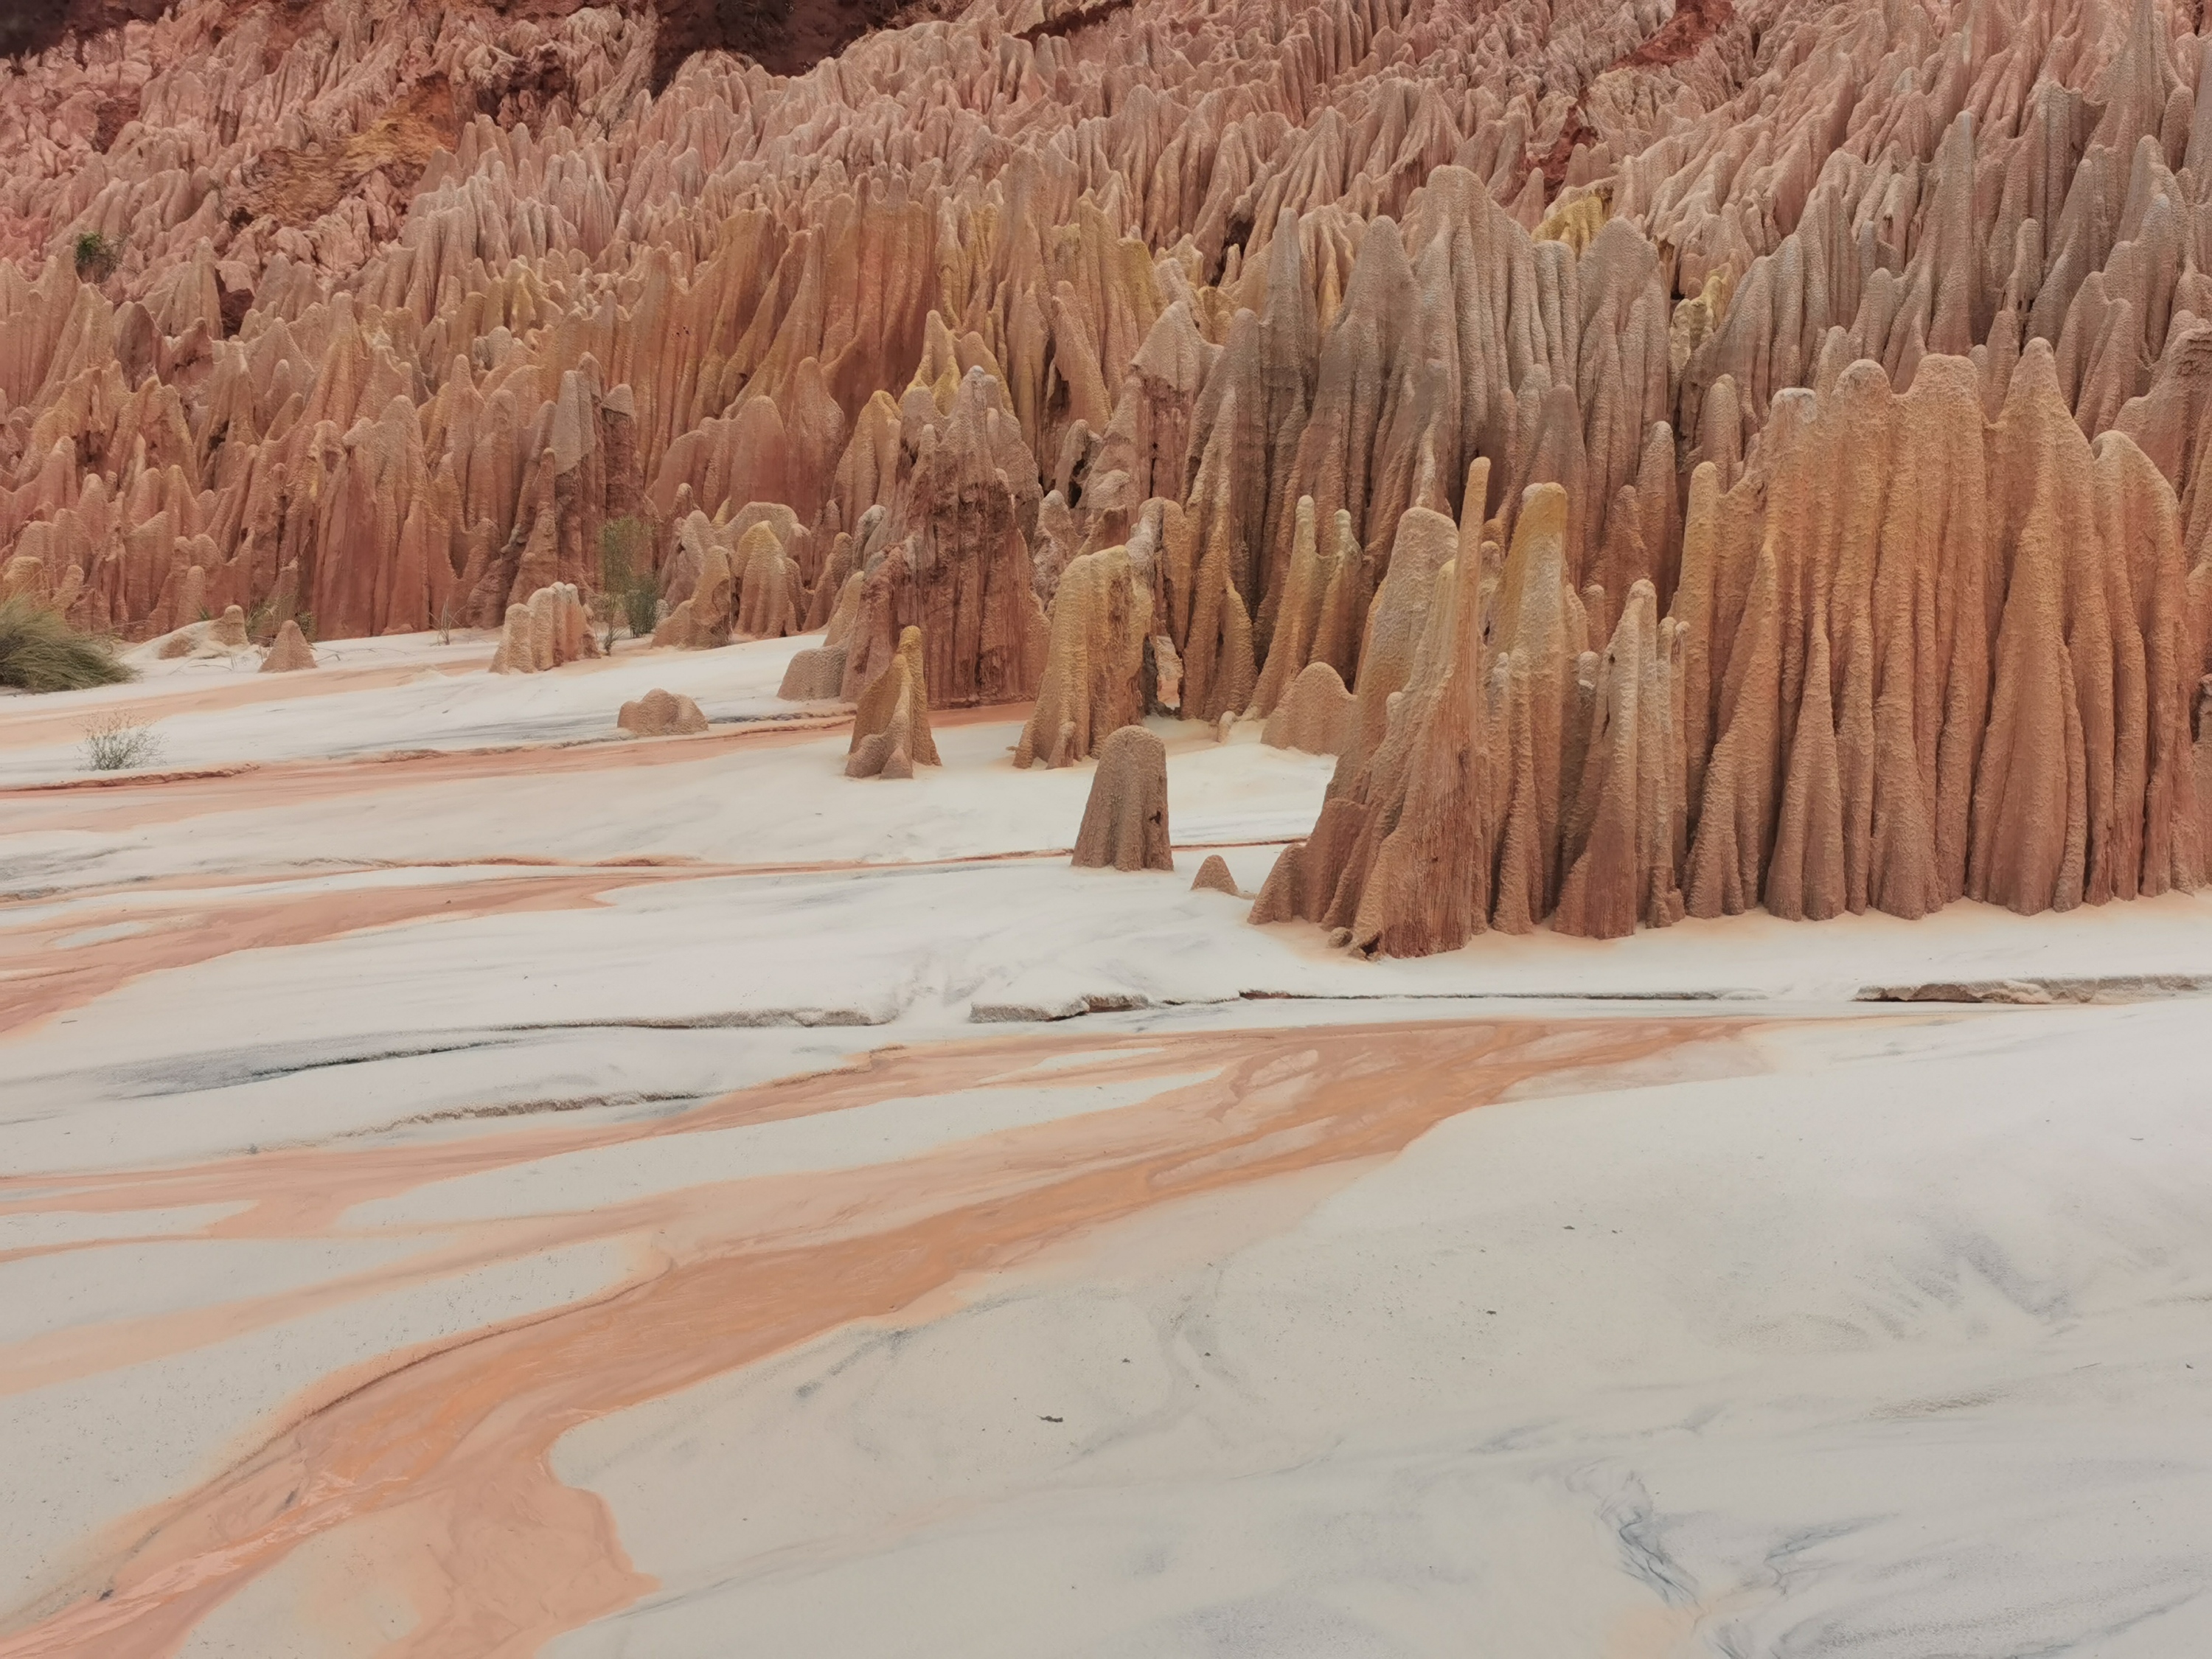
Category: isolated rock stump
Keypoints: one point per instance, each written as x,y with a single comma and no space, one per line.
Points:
290,652
660,713
1125,823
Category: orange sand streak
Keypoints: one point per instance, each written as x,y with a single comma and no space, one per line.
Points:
41,981
23,731
456,1443
108,804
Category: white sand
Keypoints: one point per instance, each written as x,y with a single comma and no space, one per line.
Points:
1895,1349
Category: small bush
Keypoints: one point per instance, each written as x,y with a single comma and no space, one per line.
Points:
118,741
624,578
96,257
40,652
641,601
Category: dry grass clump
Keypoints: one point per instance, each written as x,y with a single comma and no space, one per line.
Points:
40,652
118,741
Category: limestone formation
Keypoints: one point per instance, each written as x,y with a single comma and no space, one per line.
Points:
660,713
1874,342
1125,821
290,652
550,630
890,727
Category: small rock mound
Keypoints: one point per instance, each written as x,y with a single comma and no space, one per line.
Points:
1213,877
660,713
228,630
290,652
1125,823
222,637
890,727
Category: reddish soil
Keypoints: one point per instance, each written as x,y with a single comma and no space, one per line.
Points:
296,187
1694,23
785,37
36,25
115,114
1079,17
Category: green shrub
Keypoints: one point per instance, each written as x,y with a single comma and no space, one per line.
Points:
641,601
40,652
96,257
625,577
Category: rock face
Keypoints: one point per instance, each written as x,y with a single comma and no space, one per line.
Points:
290,652
400,314
1125,821
890,727
1319,716
660,713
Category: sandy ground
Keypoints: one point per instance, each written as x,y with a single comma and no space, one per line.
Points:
470,1184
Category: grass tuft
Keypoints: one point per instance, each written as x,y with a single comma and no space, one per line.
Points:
40,652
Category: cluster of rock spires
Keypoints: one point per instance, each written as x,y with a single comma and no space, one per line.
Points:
1675,464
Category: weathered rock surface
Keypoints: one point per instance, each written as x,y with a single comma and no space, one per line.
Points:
660,713
1213,877
1094,666
290,652
1318,716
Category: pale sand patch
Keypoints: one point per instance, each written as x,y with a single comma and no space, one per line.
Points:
801,1254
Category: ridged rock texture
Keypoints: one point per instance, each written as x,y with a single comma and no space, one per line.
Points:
1868,348
550,630
1125,820
1318,716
